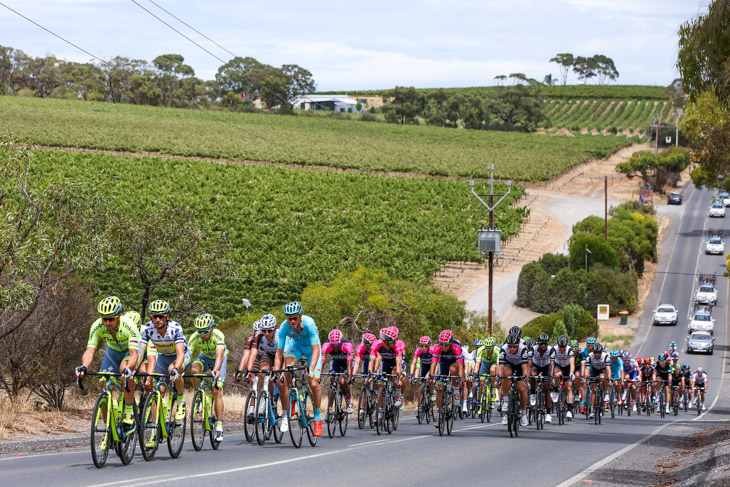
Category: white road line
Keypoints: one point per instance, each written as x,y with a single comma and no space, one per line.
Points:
368,443
130,480
31,455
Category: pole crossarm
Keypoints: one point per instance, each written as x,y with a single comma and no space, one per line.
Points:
479,196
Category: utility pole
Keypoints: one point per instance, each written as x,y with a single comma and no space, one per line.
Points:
605,202
490,240
656,126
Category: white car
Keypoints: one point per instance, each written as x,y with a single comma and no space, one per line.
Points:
702,321
706,294
715,245
665,314
724,198
717,210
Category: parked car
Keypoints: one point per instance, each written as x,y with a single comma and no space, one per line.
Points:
665,314
715,245
724,198
700,342
706,294
717,210
702,321
674,199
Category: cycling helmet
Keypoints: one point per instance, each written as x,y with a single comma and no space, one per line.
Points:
159,307
597,348
662,357
700,370
614,353
675,355
513,339
257,325
648,360
395,331
425,340
574,343
543,338
530,342
562,341
489,342
591,341
685,367
477,342
639,360
515,330
387,335
446,337
293,308
627,355
204,323
134,316
267,322
368,338
109,307
335,337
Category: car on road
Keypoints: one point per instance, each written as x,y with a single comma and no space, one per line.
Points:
702,321
724,198
717,210
715,245
706,294
700,342
665,314
674,199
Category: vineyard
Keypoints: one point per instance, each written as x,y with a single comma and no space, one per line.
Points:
291,227
604,115
298,140
567,91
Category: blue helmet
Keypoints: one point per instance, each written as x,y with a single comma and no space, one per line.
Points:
477,343
591,341
614,353
293,308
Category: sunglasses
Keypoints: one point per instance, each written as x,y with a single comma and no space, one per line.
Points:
109,319
268,331
292,318
158,317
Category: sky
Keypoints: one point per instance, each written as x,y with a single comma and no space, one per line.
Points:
358,45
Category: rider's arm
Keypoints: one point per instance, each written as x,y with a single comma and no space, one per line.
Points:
180,359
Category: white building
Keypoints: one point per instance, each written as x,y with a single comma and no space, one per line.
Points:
335,103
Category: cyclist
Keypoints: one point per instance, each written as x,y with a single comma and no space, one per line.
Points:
486,365
469,364
662,370
303,342
449,360
391,352
701,382
687,373
122,338
598,360
137,320
541,360
617,370
341,352
516,330
247,354
565,368
173,355
213,356
578,358
673,347
362,353
513,362
587,350
646,371
677,382
630,375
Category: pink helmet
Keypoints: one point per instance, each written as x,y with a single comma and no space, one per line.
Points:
335,337
446,336
388,334
368,338
395,330
425,340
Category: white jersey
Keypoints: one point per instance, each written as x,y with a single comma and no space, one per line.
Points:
699,378
564,359
598,363
470,357
165,344
543,360
507,358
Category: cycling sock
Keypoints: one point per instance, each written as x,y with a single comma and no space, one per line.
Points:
180,398
570,407
316,415
127,407
219,423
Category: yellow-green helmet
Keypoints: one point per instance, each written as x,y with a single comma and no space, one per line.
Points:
134,316
489,342
204,323
109,307
159,307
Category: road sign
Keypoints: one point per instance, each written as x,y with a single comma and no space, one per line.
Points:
602,312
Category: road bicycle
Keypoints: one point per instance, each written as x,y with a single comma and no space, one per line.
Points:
366,403
596,402
647,405
560,405
485,400
300,416
336,406
539,409
202,419
612,398
513,406
674,406
662,397
387,414
107,429
424,412
685,400
447,405
698,401
159,421
268,414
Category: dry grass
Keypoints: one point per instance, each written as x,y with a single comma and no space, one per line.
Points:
20,418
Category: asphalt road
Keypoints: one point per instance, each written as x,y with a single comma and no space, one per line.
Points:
481,453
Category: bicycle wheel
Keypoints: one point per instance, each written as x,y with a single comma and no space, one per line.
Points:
277,411
175,428
597,406
197,421
128,442
331,413
661,404
101,435
612,402
362,407
588,402
371,407
515,413
421,406
249,416
452,413
262,417
540,416
296,431
149,427
308,416
442,410
211,433
380,411
483,403
342,414
388,417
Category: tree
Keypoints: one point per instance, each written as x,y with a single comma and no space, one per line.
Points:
47,233
242,76
299,82
600,251
584,68
655,169
565,62
517,106
405,105
550,80
467,108
171,69
605,68
274,87
435,111
117,77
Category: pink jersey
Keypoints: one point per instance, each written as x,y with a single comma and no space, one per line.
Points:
450,355
398,350
362,352
343,352
425,353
